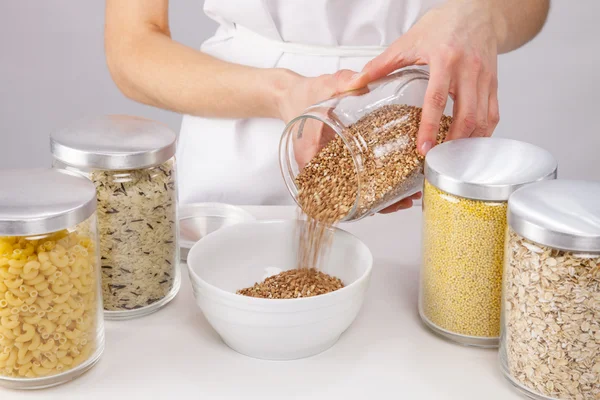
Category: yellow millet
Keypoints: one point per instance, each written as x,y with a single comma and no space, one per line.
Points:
463,249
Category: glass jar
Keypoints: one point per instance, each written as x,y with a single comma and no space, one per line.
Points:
355,154
550,341
467,185
51,325
131,162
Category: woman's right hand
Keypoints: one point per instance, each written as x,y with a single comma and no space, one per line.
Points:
301,93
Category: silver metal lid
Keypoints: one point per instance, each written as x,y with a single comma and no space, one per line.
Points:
487,168
38,201
560,214
113,142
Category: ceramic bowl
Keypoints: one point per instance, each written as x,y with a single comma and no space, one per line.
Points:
237,256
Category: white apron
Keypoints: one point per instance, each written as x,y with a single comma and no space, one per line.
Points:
236,161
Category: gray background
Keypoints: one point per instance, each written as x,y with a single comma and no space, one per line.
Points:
53,71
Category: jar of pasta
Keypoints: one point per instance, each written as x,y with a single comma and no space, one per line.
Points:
51,325
467,185
131,162
550,341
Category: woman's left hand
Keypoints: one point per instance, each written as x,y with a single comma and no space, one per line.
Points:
459,43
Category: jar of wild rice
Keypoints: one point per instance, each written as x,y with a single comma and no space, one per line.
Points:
51,325
131,162
467,185
355,154
550,343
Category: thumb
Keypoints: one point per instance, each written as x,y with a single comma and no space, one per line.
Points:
396,56
341,80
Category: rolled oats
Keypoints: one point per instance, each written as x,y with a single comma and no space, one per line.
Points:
551,320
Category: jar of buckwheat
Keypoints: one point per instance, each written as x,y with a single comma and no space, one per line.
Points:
355,154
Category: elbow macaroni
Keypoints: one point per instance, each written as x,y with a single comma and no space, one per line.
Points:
48,304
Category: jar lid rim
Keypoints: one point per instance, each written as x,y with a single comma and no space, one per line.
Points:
40,201
113,142
487,169
561,214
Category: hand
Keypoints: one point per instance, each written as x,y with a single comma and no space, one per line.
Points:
458,42
402,204
303,93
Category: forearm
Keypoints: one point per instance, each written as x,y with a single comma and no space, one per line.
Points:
517,21
149,67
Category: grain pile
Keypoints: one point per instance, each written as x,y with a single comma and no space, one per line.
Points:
551,337
293,284
463,250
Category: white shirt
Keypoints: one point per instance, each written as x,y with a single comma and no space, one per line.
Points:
237,161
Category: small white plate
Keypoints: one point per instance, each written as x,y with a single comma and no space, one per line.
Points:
197,220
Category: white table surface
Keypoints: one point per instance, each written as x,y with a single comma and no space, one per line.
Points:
386,353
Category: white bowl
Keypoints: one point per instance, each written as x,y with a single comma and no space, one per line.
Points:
237,256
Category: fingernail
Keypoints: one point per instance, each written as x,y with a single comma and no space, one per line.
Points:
425,147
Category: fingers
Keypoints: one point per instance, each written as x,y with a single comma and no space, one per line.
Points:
399,55
493,108
433,107
465,107
341,80
402,204
417,196
312,134
476,108
308,142
483,95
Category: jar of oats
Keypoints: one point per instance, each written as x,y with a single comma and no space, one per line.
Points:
131,162
550,344
51,325
467,185
355,154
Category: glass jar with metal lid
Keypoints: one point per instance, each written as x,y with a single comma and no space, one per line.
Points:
550,341
356,153
131,161
51,323
467,185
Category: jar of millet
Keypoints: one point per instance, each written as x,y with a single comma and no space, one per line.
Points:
467,186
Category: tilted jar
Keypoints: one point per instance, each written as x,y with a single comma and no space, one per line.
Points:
51,323
357,151
467,185
550,340
132,164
